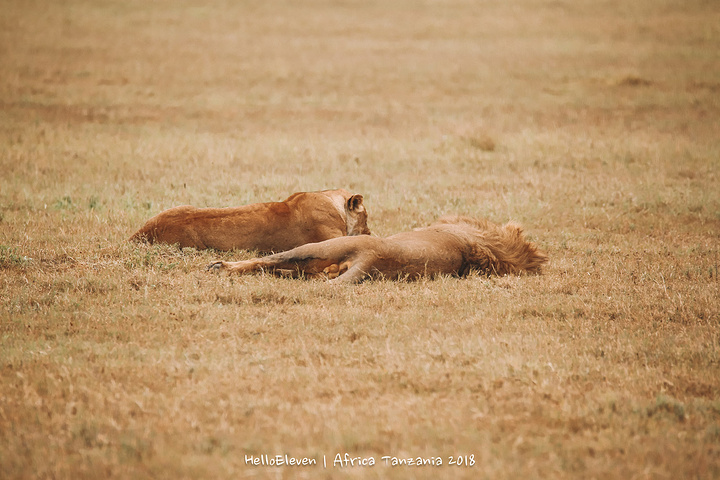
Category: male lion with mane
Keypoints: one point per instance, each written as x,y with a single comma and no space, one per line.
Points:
454,245
302,218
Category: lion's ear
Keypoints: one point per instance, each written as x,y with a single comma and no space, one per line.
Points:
355,203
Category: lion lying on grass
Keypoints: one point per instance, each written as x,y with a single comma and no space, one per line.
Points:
302,218
453,246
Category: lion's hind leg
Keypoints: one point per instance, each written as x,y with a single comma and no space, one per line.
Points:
243,266
278,264
336,269
352,272
332,271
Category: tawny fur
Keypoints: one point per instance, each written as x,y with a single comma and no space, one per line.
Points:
304,217
454,245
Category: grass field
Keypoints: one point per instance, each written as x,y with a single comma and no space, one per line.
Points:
595,124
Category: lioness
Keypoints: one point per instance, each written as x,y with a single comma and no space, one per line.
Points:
302,218
453,245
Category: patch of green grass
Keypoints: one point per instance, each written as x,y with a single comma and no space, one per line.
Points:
11,257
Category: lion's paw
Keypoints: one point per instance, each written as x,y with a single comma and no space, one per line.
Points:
215,267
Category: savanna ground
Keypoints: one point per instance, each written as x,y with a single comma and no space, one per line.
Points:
594,124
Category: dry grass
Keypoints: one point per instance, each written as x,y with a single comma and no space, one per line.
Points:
595,124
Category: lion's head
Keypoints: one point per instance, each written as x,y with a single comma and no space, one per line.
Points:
356,216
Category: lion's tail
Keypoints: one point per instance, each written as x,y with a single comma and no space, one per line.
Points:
503,250
145,234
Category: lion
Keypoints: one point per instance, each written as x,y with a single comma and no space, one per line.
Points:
454,245
304,217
